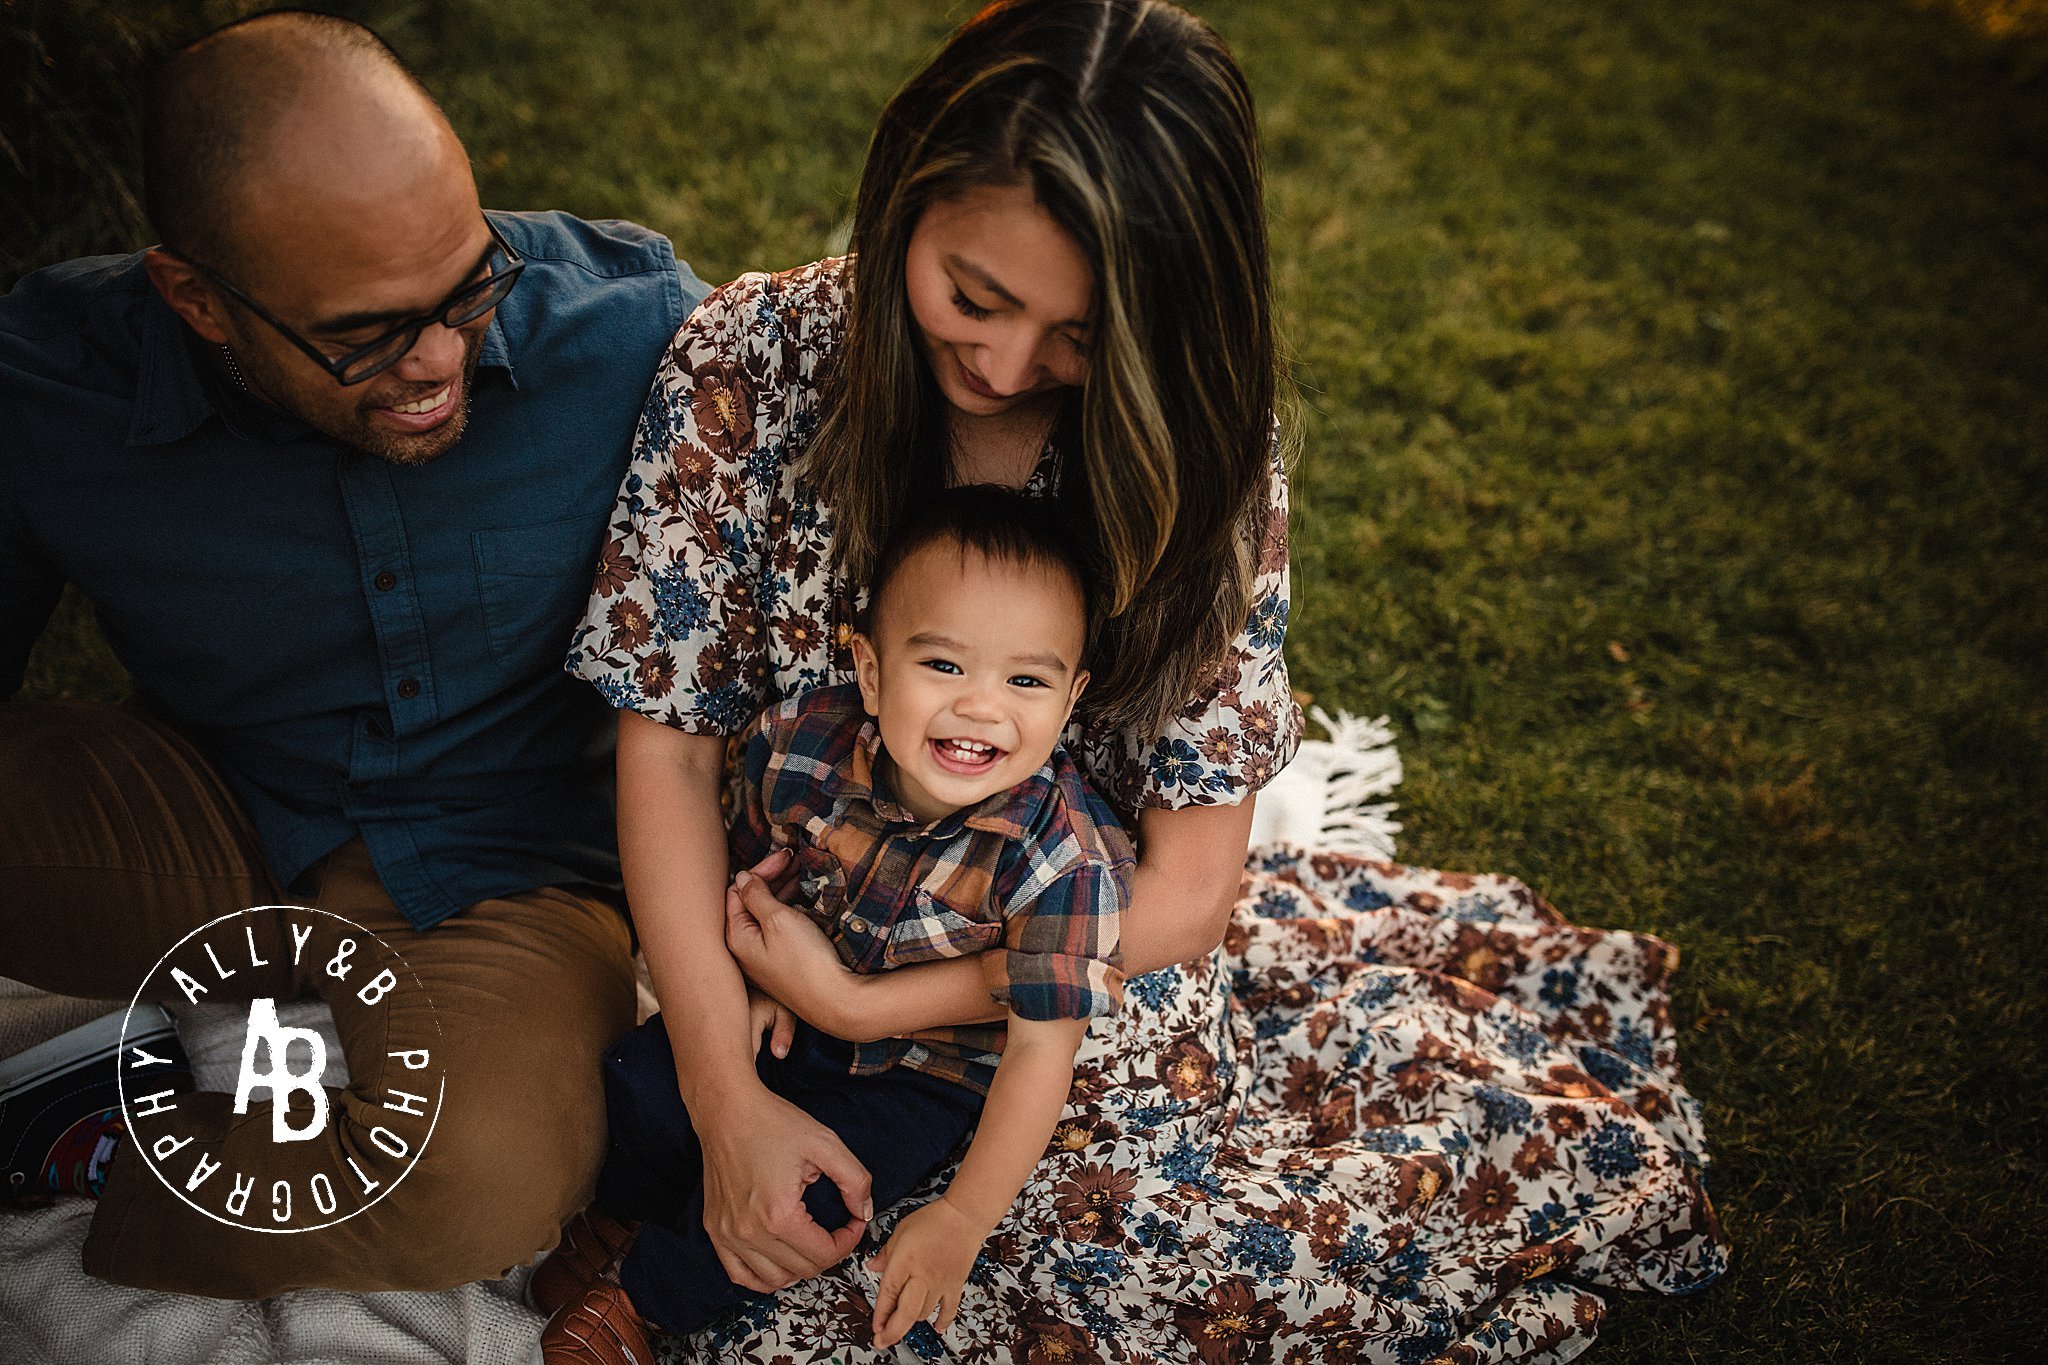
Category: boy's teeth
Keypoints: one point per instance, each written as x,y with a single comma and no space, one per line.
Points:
427,404
967,748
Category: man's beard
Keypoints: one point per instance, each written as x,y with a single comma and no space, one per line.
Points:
353,426
425,447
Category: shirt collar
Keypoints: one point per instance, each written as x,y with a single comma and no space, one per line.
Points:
176,390
1009,813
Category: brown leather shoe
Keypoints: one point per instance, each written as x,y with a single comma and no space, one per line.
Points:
600,1328
591,1248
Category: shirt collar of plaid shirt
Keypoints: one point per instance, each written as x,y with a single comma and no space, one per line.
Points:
1010,813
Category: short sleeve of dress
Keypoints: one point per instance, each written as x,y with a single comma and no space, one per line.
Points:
1239,731
674,627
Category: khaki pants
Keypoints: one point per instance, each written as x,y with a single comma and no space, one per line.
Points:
117,838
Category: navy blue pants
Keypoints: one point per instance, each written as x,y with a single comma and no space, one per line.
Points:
901,1125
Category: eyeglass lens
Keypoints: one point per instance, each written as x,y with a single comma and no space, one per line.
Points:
465,307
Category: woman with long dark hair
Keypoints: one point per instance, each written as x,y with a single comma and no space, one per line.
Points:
1058,282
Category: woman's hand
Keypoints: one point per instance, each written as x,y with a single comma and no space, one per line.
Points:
924,1267
787,956
758,1160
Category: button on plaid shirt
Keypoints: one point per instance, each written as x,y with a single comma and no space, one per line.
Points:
1040,872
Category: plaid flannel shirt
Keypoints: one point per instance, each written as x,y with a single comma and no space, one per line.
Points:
1040,871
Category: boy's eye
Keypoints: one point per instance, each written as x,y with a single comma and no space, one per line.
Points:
1026,680
946,666
969,306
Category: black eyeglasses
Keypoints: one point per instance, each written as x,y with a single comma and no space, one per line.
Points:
465,305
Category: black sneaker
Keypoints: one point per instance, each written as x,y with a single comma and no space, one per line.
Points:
60,1102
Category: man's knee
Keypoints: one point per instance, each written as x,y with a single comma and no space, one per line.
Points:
491,1189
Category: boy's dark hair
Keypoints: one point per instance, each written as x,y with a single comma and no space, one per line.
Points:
997,523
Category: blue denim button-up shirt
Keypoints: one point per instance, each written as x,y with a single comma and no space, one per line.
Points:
363,648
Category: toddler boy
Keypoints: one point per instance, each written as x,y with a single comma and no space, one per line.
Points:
931,813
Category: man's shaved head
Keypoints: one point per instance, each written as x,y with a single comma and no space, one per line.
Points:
275,106
310,194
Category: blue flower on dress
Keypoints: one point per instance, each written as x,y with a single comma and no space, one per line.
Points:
1268,624
1263,1248
1614,1150
1523,1043
679,604
728,707
1363,895
1391,1140
1473,910
1632,1041
745,1322
924,1340
1150,1116
1604,1067
1547,1222
1083,1267
1175,764
1154,989
1505,1112
1275,902
1560,988
1405,1269
1360,1248
1188,1164
619,692
1161,1234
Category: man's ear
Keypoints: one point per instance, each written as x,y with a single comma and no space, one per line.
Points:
867,671
198,303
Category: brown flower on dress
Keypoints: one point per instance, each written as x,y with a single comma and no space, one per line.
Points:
1565,1120
1090,1203
1189,1070
1487,1197
1329,1223
1231,1325
615,569
723,404
656,674
668,491
1421,1181
1304,1084
1048,1340
1219,746
1534,1156
630,627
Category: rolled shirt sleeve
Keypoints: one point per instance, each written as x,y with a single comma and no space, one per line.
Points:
1061,951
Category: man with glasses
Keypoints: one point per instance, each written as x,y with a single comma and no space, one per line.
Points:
334,466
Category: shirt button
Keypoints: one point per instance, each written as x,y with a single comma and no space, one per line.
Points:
857,925
385,581
408,688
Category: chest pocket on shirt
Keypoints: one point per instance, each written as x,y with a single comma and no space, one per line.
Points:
937,931
533,583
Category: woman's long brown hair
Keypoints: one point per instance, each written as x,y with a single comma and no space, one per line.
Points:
1135,129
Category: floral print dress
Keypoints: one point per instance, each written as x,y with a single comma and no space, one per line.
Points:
1398,1115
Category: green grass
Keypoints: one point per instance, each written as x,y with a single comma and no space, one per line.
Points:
1675,446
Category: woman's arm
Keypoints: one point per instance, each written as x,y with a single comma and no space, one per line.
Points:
759,1150
1190,863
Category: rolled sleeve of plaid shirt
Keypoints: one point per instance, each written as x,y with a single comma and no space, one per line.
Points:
1061,946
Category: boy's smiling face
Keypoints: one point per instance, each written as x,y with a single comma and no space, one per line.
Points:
971,670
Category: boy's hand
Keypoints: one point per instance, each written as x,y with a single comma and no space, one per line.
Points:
923,1267
770,1017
